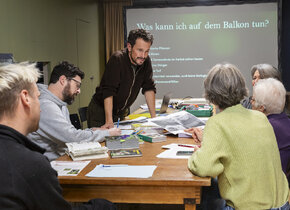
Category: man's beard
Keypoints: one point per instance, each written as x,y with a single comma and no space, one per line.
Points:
135,60
67,96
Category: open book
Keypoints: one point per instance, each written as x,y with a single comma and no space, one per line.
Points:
86,150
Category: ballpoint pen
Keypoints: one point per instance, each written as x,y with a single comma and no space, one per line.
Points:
118,122
190,146
119,165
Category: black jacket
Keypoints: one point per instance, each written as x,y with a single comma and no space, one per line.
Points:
122,82
27,180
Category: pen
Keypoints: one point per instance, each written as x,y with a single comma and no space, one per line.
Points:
107,166
183,145
118,122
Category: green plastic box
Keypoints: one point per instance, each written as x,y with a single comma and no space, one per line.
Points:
199,113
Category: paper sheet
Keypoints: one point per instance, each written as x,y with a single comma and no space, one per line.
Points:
172,150
69,168
171,154
126,132
177,122
122,171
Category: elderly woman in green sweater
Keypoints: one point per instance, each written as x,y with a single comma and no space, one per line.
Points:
238,146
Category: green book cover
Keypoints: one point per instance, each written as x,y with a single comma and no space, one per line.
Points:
152,137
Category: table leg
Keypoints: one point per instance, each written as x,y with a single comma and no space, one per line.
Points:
189,206
189,203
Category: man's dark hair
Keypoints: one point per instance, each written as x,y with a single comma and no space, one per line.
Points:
139,33
66,69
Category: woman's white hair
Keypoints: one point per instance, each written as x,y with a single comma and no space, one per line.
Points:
271,94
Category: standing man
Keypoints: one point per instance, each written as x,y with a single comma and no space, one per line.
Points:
127,71
55,128
27,179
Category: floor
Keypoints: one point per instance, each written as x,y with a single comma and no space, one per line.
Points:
150,207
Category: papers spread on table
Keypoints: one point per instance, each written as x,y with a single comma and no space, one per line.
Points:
86,150
124,127
128,171
158,103
173,148
68,168
126,132
137,120
177,122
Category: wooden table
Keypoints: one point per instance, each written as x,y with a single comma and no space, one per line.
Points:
171,183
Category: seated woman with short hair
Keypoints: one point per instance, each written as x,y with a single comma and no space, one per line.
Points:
260,71
238,146
269,97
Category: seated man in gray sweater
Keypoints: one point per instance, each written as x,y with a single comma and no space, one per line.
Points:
55,127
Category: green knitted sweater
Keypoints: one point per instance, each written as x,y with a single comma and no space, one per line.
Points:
239,147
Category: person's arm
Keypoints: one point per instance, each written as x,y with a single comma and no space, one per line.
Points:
108,106
55,125
150,100
206,161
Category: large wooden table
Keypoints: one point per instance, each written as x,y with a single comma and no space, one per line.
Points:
171,183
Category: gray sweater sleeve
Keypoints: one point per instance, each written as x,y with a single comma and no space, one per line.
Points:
55,129
55,125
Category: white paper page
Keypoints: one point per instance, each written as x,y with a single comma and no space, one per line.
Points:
122,171
126,132
139,119
171,153
124,127
177,122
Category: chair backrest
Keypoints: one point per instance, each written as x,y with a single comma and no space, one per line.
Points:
74,118
83,113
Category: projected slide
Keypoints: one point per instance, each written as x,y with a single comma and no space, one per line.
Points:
188,41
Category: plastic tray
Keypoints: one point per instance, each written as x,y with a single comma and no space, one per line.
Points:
199,113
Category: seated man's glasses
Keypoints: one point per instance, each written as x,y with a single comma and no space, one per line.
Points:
79,84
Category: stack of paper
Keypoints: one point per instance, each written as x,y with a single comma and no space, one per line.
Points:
86,150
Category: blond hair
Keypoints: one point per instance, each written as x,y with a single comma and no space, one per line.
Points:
13,79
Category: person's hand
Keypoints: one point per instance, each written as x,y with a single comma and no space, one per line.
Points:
196,134
108,125
115,131
97,128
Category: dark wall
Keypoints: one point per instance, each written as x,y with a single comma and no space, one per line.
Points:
285,43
